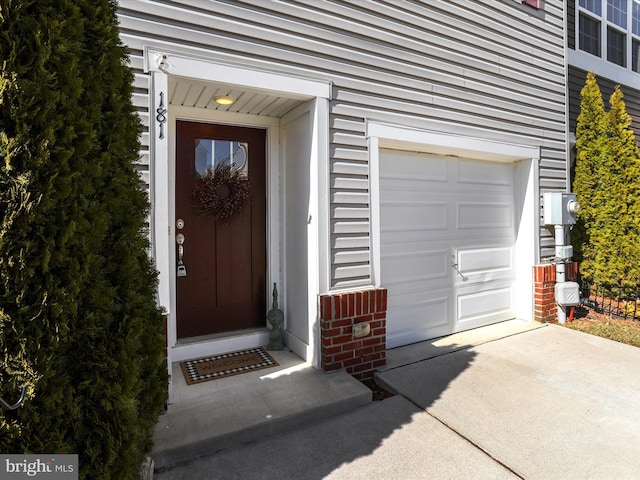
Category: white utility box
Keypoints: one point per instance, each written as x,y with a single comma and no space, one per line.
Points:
564,252
568,294
560,208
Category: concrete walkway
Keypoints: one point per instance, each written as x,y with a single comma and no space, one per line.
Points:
548,403
213,415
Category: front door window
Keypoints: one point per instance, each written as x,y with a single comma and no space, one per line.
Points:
210,153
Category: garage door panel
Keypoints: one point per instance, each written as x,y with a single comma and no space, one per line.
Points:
398,182
412,165
416,319
481,260
484,173
483,215
491,305
412,266
399,217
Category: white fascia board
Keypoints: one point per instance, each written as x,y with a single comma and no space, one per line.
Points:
191,67
602,68
407,138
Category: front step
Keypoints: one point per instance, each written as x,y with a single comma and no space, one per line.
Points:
208,417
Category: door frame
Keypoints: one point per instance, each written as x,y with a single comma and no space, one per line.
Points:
253,336
161,64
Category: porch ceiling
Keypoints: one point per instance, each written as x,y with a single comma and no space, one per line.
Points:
188,92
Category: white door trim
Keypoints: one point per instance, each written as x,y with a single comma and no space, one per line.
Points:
273,208
159,191
184,65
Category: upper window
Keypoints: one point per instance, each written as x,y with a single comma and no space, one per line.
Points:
594,6
617,12
610,29
635,56
616,42
589,39
635,21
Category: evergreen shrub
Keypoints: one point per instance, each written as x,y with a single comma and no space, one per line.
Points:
79,326
607,186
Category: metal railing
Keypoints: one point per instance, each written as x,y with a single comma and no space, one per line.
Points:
620,302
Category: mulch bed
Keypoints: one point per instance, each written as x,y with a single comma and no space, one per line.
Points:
378,392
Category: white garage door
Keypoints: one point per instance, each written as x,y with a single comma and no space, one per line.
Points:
447,242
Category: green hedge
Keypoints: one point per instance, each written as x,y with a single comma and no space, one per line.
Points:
607,186
78,319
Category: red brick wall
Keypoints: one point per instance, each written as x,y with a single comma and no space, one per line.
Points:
545,309
339,312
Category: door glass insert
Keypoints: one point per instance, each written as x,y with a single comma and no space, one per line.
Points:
211,153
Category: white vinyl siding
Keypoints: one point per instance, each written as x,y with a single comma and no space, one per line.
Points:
487,68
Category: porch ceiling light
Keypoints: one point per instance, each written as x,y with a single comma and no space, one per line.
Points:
224,100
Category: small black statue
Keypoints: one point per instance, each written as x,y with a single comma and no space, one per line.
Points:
276,318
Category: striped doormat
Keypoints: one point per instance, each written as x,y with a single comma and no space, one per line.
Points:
225,365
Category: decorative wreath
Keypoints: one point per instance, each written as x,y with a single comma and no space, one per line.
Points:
222,193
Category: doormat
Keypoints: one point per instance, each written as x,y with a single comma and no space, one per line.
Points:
226,365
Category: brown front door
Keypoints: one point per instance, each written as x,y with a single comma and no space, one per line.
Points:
225,262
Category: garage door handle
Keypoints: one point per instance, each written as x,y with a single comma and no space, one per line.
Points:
455,267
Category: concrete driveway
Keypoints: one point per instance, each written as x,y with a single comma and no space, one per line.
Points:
548,403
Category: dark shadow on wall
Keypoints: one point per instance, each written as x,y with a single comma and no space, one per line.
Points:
313,451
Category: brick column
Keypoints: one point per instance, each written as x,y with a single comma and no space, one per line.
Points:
340,349
545,308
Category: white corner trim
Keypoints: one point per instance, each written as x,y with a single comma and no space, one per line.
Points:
159,191
188,66
407,138
322,176
374,204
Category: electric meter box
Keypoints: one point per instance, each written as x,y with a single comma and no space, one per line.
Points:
560,208
567,294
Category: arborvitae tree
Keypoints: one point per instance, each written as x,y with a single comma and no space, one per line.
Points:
608,190
78,321
591,147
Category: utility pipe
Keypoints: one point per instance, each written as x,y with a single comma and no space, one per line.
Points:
560,274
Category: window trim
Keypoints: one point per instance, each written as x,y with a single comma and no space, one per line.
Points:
579,31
